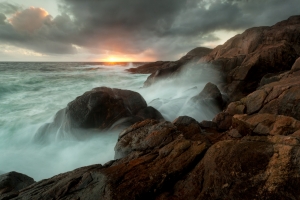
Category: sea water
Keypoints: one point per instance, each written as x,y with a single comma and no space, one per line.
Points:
31,94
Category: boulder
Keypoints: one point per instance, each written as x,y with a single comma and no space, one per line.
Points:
209,95
156,155
97,110
149,134
12,182
251,168
101,107
279,97
265,124
223,120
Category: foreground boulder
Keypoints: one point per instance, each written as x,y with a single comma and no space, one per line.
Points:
101,109
251,168
154,156
164,160
12,182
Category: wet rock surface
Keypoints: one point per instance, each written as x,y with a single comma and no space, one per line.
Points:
160,160
100,109
12,182
249,56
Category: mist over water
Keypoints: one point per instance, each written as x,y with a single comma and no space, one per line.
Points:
31,94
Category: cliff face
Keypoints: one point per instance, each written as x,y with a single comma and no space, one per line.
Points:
249,151
247,57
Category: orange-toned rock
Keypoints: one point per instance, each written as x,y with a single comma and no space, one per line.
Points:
249,56
252,168
265,124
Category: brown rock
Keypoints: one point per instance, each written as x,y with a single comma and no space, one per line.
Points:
255,53
255,101
279,97
12,182
149,68
140,175
170,70
208,124
253,168
296,65
97,110
236,107
209,96
265,124
223,120
162,70
196,53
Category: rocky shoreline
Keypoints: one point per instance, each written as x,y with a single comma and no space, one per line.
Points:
250,150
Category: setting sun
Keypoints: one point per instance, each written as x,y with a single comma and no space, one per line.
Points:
118,59
113,59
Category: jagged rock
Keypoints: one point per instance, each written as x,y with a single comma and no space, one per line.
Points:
254,101
163,164
279,97
189,127
247,57
236,107
144,136
12,182
234,133
223,120
208,124
251,168
271,77
210,92
149,68
265,124
149,134
139,175
196,53
171,69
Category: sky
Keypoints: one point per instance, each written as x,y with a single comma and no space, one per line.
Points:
131,30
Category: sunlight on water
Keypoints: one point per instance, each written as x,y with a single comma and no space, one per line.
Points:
31,94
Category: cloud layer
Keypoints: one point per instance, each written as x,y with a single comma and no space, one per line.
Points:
151,30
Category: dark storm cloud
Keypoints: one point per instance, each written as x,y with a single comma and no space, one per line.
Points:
34,29
8,8
160,29
132,26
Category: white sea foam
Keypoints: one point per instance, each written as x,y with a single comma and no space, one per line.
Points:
31,94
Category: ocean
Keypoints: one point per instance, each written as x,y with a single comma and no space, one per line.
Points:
31,93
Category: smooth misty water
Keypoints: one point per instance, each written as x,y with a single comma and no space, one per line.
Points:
31,94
